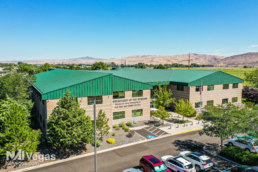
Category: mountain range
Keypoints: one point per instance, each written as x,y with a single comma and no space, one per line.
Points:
247,59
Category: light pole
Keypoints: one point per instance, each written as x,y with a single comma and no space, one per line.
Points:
95,136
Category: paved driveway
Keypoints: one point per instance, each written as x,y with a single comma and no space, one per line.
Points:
117,160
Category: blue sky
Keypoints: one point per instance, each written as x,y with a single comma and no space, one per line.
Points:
56,29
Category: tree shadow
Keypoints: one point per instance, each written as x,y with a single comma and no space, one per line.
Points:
190,145
45,148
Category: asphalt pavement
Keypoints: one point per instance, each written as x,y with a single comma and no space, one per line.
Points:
119,159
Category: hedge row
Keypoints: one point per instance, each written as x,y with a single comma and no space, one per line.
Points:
239,155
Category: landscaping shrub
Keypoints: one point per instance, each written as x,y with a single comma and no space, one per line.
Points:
111,140
129,124
239,155
126,129
122,124
98,143
116,127
182,121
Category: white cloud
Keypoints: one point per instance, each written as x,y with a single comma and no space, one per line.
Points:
254,46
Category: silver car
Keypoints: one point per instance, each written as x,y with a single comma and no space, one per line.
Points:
250,145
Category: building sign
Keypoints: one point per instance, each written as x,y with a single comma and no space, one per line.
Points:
126,103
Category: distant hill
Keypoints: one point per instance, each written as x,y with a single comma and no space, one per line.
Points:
148,59
247,59
87,58
182,59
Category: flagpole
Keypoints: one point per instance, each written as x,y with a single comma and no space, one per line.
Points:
201,88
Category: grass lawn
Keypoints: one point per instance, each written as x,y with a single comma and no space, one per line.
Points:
238,72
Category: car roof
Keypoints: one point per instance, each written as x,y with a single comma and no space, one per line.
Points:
185,152
153,160
182,160
201,156
132,170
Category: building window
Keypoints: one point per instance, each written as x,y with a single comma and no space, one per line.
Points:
225,86
198,104
138,112
118,95
210,87
234,99
91,100
138,93
235,85
197,88
210,102
224,101
180,87
119,115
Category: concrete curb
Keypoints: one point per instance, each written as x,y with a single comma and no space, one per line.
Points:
99,152
228,160
182,132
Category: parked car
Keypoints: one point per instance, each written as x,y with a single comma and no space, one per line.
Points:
150,163
199,161
132,170
250,145
178,164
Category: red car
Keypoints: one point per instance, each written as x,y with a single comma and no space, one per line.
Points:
150,163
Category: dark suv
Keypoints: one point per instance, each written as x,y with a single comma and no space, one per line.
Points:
150,163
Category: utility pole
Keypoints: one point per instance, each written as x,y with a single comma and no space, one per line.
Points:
189,60
95,136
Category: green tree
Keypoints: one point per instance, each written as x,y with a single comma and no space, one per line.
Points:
252,78
43,68
102,124
160,66
15,131
141,66
162,97
185,108
222,121
248,118
68,126
26,68
161,113
16,86
99,66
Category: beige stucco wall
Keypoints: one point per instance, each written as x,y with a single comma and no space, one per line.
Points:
110,105
180,94
130,103
216,95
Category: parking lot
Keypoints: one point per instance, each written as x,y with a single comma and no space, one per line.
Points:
127,157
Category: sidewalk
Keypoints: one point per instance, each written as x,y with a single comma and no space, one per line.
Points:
175,128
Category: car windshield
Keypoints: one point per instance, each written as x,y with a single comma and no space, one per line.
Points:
207,161
189,166
255,143
160,168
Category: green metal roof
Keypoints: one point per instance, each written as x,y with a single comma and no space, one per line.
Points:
151,76
54,84
183,77
60,78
